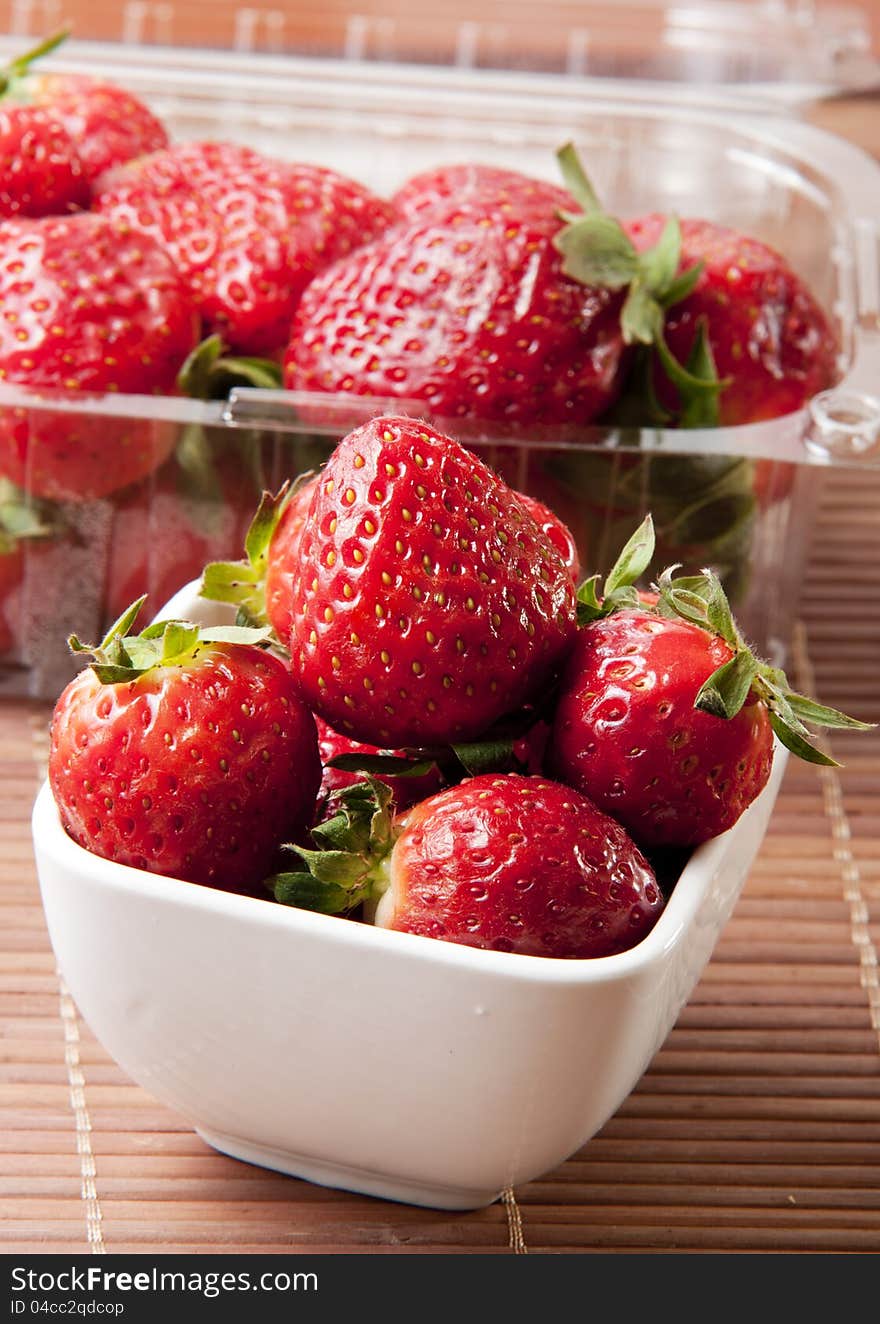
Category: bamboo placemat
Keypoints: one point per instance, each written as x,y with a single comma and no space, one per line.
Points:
755,1129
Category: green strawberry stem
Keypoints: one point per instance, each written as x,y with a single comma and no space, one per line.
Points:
597,251
21,65
121,656
348,863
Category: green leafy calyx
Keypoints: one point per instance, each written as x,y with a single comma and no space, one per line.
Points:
619,589
347,863
701,600
122,657
597,251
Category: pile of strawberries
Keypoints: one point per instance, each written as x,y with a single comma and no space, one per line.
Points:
421,719
425,715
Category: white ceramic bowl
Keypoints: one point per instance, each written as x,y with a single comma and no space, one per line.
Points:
380,1062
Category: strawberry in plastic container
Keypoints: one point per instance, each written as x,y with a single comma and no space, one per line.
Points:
89,309
59,131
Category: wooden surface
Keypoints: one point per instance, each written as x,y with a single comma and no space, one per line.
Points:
756,1128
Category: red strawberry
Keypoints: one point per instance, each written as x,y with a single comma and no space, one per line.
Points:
428,602
88,308
664,717
247,232
102,123
519,864
627,734
505,862
472,320
43,174
196,760
481,190
768,334
108,124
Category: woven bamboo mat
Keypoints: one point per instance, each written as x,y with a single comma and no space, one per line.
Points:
756,1128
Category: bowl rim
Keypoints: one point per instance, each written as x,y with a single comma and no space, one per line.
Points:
55,850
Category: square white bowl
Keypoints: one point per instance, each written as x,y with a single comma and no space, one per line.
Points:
381,1062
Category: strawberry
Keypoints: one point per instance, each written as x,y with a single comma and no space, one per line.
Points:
428,602
88,308
473,319
184,752
772,343
509,863
473,188
43,175
246,232
108,124
94,125
727,332
664,717
103,123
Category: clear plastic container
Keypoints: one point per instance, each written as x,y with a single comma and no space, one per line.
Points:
737,498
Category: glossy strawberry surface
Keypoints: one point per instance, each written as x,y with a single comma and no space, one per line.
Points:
246,232
88,308
627,735
768,333
42,173
473,319
519,864
482,190
429,602
108,123
197,771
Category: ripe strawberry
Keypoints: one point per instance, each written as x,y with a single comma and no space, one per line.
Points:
664,717
627,734
509,863
246,232
43,174
771,341
471,188
108,123
102,122
184,752
473,320
428,602
88,308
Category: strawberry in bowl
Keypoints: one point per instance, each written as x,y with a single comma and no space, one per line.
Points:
185,752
